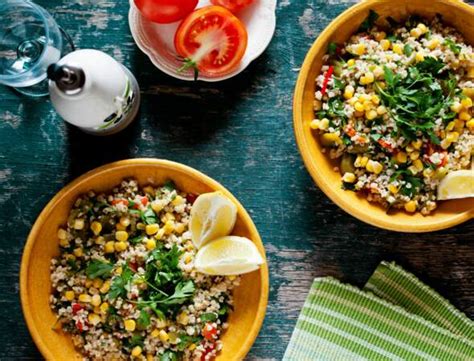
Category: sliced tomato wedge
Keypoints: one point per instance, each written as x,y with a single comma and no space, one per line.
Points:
211,40
233,5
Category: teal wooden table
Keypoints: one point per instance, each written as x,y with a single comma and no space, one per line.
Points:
238,132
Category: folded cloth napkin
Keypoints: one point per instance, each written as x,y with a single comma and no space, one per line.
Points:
395,317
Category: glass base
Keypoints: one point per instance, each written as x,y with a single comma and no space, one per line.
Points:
42,88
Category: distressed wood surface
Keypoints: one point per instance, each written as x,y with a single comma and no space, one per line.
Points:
238,132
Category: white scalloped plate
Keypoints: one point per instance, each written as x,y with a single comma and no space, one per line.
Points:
156,40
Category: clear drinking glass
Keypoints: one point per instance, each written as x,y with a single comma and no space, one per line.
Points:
30,40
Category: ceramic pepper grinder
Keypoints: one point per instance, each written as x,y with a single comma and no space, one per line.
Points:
94,92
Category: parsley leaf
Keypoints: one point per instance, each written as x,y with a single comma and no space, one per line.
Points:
148,216
169,356
208,317
431,66
183,292
143,321
407,50
169,185
456,49
186,340
369,22
98,269
332,48
119,283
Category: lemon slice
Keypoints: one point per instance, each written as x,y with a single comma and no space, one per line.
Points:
228,256
213,215
457,184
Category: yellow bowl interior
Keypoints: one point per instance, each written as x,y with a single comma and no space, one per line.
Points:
42,244
449,213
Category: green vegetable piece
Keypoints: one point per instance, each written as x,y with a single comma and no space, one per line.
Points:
369,22
98,269
347,164
332,48
169,185
208,317
169,356
456,49
143,321
407,50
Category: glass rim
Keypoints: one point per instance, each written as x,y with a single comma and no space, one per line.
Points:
40,11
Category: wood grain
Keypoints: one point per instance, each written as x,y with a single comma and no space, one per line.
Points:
238,132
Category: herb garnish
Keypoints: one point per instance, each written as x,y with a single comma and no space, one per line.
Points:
98,269
456,49
369,22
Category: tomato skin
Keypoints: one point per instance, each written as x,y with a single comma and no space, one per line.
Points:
216,30
165,11
233,5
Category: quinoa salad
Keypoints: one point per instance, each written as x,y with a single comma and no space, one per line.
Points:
394,107
124,285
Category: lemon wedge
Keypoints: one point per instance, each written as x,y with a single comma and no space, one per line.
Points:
457,184
228,256
213,215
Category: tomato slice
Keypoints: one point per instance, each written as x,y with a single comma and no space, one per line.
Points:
233,5
211,40
165,11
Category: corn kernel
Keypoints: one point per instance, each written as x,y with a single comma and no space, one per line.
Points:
441,172
417,144
393,188
314,124
136,351
151,229
349,177
160,234
179,228
351,62
374,167
427,172
445,144
163,336
155,333
364,98
156,206
458,125
96,300
470,125
456,107
130,325
361,162
183,318
62,233
177,201
69,295
330,138
88,282
418,164
79,224
470,72
109,247
380,35
120,246
450,126
410,206
124,221
466,103
70,257
192,347
371,114
359,49
378,72
401,157
119,270
99,240
415,32
121,236
385,44
423,28
381,110
419,57
85,298
349,91
96,309
397,49
96,227
97,283
105,287
78,252
367,78
150,244
140,226
119,227
168,227
469,92
413,169
104,307
464,116
375,99
149,357
64,243
414,155
93,319
452,136
359,107
433,43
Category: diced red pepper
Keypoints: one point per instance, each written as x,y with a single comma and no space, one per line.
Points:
79,326
76,307
191,198
133,266
327,76
209,331
385,144
142,200
120,201
445,159
350,131
207,351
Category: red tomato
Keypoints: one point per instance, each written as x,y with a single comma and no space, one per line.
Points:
209,331
233,5
165,11
207,351
119,201
211,40
191,198
76,307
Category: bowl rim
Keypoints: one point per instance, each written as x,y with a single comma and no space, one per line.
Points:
303,147
193,173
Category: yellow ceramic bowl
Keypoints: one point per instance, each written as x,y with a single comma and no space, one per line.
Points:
449,213
42,244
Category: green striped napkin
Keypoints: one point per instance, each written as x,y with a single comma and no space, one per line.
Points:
396,317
